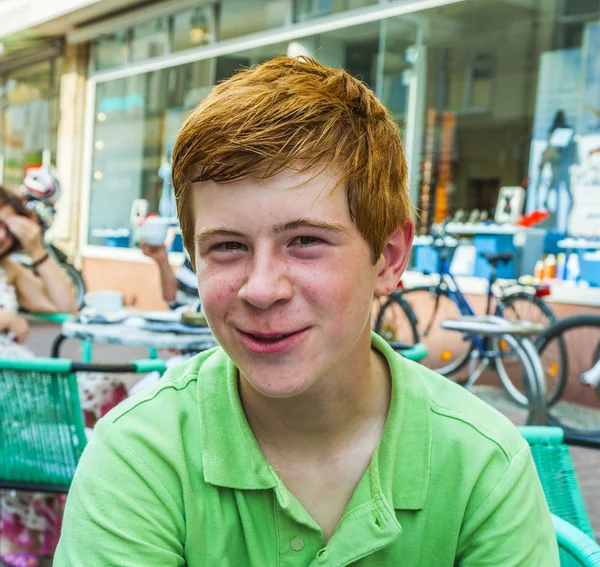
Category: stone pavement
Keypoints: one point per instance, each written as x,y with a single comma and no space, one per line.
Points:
587,461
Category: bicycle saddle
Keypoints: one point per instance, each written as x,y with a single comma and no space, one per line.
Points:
500,258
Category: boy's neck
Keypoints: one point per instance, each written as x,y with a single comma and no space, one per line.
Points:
326,417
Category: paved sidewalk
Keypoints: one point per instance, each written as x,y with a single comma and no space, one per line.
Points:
587,461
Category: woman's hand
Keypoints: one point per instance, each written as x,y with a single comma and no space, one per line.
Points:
28,233
15,324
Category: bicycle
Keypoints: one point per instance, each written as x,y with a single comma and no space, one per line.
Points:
445,300
581,336
488,329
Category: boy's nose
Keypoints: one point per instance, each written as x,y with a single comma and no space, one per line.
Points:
267,283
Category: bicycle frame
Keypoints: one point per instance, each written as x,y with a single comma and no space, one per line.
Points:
458,298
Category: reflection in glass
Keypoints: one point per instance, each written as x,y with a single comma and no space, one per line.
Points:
242,17
191,28
30,118
110,50
142,116
150,39
310,9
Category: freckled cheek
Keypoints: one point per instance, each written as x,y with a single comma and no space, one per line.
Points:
325,287
217,291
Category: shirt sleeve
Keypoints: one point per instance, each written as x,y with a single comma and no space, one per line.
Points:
118,511
512,527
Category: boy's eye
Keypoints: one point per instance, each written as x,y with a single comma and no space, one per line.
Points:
229,246
306,240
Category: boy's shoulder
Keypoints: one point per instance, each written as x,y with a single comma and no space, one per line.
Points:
459,418
173,397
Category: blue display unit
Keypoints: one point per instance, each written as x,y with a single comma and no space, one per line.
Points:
526,245
494,244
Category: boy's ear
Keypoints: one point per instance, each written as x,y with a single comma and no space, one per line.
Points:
394,258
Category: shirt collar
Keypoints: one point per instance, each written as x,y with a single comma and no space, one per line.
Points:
404,454
232,458
230,453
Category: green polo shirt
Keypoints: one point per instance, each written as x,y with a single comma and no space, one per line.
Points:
175,477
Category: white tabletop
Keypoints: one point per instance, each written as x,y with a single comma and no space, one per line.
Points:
131,332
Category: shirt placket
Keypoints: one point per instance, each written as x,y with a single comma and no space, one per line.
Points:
364,530
297,544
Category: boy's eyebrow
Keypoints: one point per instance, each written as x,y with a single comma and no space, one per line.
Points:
307,223
275,230
209,233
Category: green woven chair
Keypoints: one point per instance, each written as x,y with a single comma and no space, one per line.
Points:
416,352
575,547
557,475
41,420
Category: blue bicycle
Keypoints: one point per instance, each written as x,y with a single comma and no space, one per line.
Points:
425,307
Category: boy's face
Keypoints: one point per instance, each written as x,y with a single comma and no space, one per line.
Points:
286,279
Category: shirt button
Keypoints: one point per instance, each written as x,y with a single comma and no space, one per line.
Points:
297,544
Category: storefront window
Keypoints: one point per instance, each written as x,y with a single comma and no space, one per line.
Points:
137,119
192,28
150,39
357,52
310,9
497,88
30,119
111,50
482,91
243,17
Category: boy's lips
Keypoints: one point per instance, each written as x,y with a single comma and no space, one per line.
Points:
271,342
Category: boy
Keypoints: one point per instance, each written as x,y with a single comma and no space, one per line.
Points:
304,440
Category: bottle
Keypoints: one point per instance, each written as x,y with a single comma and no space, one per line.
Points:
550,267
561,266
538,271
573,269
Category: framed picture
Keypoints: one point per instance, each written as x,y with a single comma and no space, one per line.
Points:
511,201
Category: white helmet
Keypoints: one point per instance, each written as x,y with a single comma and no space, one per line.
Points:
40,184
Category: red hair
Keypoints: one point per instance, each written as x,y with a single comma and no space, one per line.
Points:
297,113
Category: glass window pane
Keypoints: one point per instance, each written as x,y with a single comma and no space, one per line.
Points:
110,50
30,119
500,77
242,17
137,119
191,28
150,39
577,7
309,9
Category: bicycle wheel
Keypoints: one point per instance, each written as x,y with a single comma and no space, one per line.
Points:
395,321
522,306
579,406
448,350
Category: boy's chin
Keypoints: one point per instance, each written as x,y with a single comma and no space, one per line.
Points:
277,388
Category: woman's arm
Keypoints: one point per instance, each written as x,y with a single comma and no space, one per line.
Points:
50,291
168,280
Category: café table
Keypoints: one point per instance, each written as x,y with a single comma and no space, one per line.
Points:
134,331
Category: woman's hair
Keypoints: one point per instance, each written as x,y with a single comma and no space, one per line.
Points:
16,202
296,113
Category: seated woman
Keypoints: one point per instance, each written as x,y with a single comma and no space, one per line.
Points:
31,522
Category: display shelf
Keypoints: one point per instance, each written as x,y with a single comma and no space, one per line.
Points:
478,228
579,243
